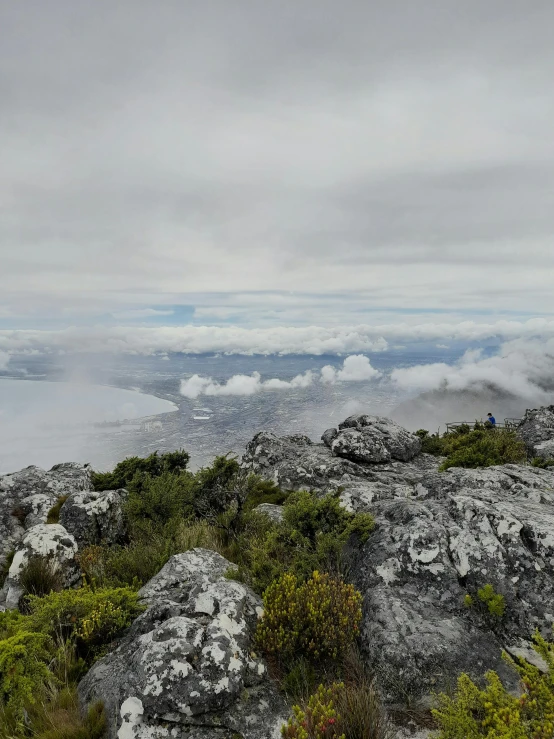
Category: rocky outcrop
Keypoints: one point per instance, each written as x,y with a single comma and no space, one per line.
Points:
49,542
28,495
363,438
272,511
537,431
187,667
94,517
438,538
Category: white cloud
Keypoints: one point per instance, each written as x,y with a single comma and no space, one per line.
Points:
313,340
4,359
523,368
137,313
355,368
241,385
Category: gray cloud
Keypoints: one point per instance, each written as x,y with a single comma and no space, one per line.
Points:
398,152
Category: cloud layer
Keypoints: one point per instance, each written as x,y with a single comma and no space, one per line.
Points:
313,340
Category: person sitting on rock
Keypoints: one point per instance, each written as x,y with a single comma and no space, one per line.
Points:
491,419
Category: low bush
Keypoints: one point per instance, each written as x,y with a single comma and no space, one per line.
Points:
134,467
319,719
493,713
40,576
311,537
543,464
318,619
88,618
494,602
137,562
54,512
482,446
24,657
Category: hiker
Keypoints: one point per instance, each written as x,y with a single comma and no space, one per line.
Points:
491,419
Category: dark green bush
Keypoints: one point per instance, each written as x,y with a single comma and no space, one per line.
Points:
40,576
154,466
482,448
543,464
311,537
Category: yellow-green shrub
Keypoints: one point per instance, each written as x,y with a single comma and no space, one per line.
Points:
24,655
319,618
493,713
495,603
90,618
318,720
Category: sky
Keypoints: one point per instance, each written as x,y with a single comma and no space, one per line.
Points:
275,177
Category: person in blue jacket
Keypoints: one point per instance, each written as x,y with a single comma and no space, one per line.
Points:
491,419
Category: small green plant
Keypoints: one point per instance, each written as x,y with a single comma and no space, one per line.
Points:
468,600
493,713
133,468
541,463
88,618
319,719
495,602
24,673
319,618
54,512
40,576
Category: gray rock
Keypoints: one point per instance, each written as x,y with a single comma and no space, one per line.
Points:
94,517
49,541
537,431
374,439
438,537
328,436
187,667
272,511
28,495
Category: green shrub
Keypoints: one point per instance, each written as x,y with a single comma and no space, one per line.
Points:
54,512
495,603
319,719
318,619
137,562
361,711
543,464
159,499
88,618
40,576
133,467
311,537
482,448
493,713
431,443
24,655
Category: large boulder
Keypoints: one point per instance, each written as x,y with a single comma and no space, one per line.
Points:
93,517
363,438
537,431
27,496
50,542
187,666
439,536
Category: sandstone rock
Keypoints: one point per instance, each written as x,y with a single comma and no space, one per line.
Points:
272,511
51,542
27,496
537,431
438,537
94,517
187,666
373,439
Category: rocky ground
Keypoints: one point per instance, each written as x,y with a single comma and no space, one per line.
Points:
187,667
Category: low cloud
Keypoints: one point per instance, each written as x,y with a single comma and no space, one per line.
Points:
355,368
241,385
311,340
522,368
4,359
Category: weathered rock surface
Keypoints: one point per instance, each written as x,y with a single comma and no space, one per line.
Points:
363,438
438,537
48,541
537,431
27,496
187,667
94,517
272,511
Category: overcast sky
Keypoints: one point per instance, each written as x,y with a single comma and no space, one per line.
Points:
267,164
